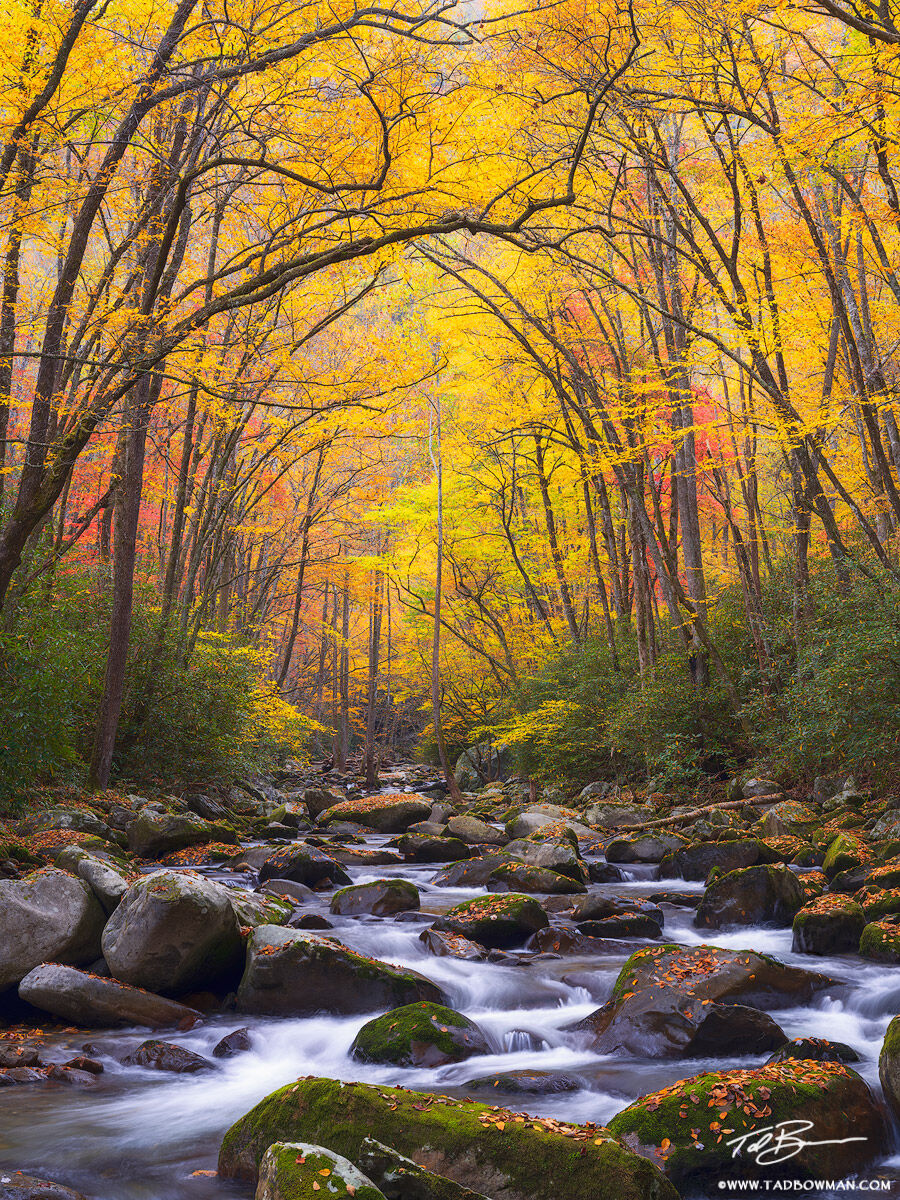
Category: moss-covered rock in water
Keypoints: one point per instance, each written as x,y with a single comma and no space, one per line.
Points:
402,1179
497,921
761,895
303,864
291,973
671,1000
889,1065
696,862
152,834
878,902
425,848
419,1035
299,1171
818,1049
643,847
692,1130
390,813
844,853
484,1148
252,909
520,877
380,897
880,940
828,925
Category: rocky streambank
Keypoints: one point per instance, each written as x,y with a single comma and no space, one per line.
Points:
297,989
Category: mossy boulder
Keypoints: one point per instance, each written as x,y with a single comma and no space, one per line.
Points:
425,848
402,1179
692,1129
474,832
472,873
844,854
880,940
252,908
497,921
695,862
483,1148
878,902
391,813
830,924
643,847
889,1065
303,864
47,915
560,854
152,834
760,895
419,1035
291,972
379,897
522,877
789,816
299,1171
675,1000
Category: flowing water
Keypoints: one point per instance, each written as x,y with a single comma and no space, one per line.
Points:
148,1135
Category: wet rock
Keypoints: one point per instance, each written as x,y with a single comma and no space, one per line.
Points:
603,872
474,832
303,864
173,931
232,1043
421,848
381,898
530,1161
828,925
527,1083
85,999
692,1151
402,1179
736,1029
419,1035
16,1076
309,921
152,834
82,1063
474,873
880,940
643,847
48,914
878,902
252,909
164,1056
289,889
695,862
391,813
816,1049
596,907
557,939
498,921
293,973
889,1065
521,877
760,895
294,1170
18,1054
625,925
16,1186
452,945
668,997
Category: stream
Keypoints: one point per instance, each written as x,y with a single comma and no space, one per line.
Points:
145,1135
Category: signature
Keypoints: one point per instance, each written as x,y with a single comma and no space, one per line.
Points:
777,1143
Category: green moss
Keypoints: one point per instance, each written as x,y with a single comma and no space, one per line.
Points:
291,1169
522,1158
423,1034
844,853
495,920
880,941
536,879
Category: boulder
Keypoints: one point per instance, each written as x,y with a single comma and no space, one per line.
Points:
252,909
728,1112
560,856
527,1083
419,1035
76,819
878,902
295,1170
754,787
669,998
152,834
292,973
623,925
482,1148
236,1042
830,924
643,847
452,945
522,877
889,1065
164,1056
533,819
845,853
16,1186
696,861
380,897
173,931
392,813
760,895
473,873
423,848
476,833
303,864
481,764
47,915
619,816
497,921
880,940
402,1179
816,1049
90,1000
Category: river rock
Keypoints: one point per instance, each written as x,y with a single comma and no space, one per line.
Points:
474,873
760,895
668,998
522,877
295,1170
48,914
829,924
16,1186
392,813
817,1049
380,897
597,907
419,1035
90,1000
152,834
233,1043
303,864
253,908
623,925
619,816
498,921
527,1083
421,848
173,931
692,1152
76,819
846,853
165,1056
527,1160
880,940
643,847
107,884
889,1065
452,945
696,862
474,832
402,1179
293,973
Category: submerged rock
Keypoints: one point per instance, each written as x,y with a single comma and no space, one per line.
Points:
233,1043
16,1186
817,1049
419,1035
527,1159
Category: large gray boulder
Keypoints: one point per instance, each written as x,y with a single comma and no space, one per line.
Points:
85,999
152,834
107,884
47,915
291,973
173,931
474,832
